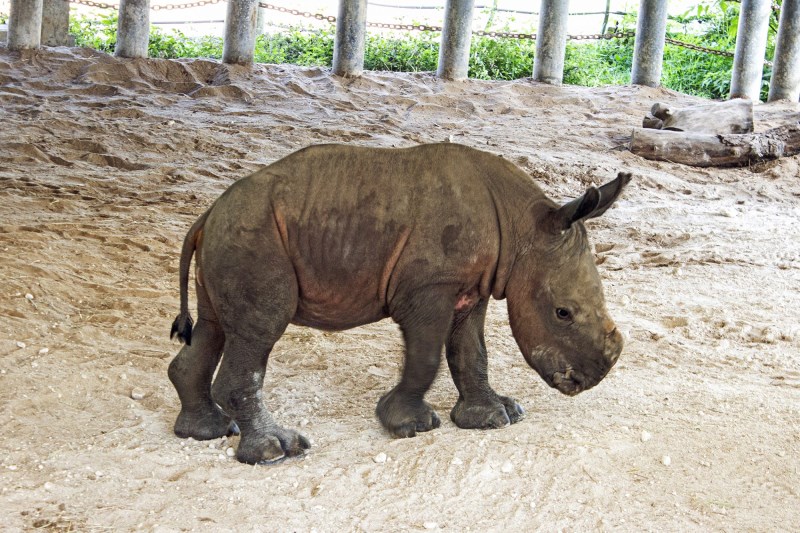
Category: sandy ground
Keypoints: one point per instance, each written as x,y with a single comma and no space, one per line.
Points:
105,163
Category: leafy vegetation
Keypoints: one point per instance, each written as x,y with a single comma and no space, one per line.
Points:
605,62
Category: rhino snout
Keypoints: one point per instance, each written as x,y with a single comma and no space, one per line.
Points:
573,379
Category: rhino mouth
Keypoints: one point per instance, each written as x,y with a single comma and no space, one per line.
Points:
568,382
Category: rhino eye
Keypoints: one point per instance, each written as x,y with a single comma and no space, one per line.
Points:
563,314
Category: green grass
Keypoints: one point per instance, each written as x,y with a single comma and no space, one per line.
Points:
592,63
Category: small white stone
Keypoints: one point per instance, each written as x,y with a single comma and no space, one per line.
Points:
304,422
666,460
21,345
48,486
646,436
456,461
44,351
137,394
230,452
29,297
430,525
507,467
380,458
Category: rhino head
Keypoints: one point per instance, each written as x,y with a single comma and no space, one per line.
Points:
556,305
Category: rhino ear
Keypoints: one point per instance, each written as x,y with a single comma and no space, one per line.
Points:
594,202
610,192
577,209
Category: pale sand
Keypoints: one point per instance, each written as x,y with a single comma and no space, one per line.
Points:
105,163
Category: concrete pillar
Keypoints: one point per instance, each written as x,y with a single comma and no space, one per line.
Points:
456,37
785,83
261,20
133,28
551,42
648,50
351,34
55,23
25,24
751,45
240,32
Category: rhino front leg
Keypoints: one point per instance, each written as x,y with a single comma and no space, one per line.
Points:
478,405
424,319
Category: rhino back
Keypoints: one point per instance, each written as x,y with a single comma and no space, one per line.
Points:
361,225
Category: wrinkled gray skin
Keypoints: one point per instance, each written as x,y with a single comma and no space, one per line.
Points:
335,236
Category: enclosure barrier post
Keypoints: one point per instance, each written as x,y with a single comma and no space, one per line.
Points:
351,34
25,24
240,32
648,51
551,42
55,23
133,28
785,83
456,36
261,20
751,44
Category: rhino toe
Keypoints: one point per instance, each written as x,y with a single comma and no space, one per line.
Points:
404,418
501,412
205,423
272,448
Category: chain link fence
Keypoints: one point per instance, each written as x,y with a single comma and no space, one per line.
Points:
421,27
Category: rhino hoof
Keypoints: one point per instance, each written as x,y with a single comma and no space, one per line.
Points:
500,413
208,424
272,448
403,419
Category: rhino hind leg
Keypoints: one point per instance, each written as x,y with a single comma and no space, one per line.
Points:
238,388
191,372
478,405
252,326
424,320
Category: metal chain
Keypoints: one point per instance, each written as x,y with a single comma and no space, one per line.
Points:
199,3
89,3
307,14
711,51
157,7
424,27
775,7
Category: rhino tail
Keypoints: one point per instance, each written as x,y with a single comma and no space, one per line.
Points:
182,326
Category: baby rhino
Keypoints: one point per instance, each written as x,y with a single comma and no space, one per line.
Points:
337,236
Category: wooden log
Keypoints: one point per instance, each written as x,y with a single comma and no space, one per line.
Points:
732,116
708,150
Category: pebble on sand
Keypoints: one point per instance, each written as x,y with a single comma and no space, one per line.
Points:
666,460
137,394
646,436
380,458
